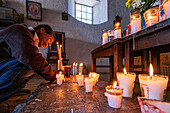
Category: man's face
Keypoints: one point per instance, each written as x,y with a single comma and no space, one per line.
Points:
45,39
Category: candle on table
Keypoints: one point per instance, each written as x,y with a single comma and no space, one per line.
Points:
117,31
104,37
151,20
89,83
60,78
166,7
80,79
135,24
126,81
114,95
153,86
81,68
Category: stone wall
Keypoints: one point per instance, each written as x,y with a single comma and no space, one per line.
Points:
81,38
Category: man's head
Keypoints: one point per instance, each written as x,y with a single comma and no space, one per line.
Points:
45,35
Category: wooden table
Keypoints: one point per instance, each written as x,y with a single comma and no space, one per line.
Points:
155,39
51,98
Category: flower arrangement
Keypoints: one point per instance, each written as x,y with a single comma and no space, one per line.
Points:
142,4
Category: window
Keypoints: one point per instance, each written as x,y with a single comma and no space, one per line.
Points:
84,13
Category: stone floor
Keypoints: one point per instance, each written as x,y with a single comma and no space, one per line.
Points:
19,98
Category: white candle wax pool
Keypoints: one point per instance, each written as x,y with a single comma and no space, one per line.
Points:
89,84
114,96
153,87
80,80
126,81
135,25
60,78
117,33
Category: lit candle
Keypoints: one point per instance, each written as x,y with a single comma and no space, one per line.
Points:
135,24
81,68
80,79
153,86
76,69
89,83
117,31
114,95
151,20
95,76
104,38
60,78
166,7
126,81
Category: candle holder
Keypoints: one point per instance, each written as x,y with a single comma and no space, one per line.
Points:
153,87
80,80
151,16
89,84
126,81
114,96
104,37
60,78
95,76
135,20
117,25
166,6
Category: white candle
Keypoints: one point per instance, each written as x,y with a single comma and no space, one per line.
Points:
104,38
95,76
80,79
117,33
89,84
114,95
153,87
167,8
126,81
81,68
135,25
75,69
151,20
60,78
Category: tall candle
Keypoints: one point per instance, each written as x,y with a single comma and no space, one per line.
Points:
89,84
60,78
117,33
153,86
135,25
80,79
81,68
76,69
114,95
126,81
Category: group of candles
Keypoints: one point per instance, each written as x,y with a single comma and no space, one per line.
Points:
75,67
89,81
152,87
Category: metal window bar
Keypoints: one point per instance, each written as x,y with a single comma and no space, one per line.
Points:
165,70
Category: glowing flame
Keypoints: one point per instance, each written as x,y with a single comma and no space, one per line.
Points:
133,17
81,64
124,70
89,75
58,60
60,46
60,72
79,73
151,70
115,84
76,64
117,24
57,43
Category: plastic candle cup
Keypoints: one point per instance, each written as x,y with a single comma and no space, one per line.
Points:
60,78
114,95
153,86
80,79
117,30
126,81
89,84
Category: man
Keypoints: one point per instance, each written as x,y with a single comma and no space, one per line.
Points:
19,55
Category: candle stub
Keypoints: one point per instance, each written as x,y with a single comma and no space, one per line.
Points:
80,79
89,84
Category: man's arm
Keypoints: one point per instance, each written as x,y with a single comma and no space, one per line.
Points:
22,47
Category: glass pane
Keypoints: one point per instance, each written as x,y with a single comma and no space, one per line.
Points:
78,7
84,15
89,21
78,19
78,14
83,8
89,10
83,20
89,16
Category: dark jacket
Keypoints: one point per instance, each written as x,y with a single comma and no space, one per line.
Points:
17,41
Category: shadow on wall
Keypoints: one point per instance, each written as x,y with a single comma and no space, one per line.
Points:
79,51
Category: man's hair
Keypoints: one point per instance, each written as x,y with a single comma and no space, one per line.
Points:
48,29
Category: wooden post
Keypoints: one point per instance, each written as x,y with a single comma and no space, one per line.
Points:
145,61
93,64
155,60
111,59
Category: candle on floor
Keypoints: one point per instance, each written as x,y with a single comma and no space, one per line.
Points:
81,68
95,76
60,78
126,81
89,83
80,79
114,95
166,6
153,86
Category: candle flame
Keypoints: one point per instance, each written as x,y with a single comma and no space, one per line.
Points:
117,24
124,70
151,70
89,75
57,43
79,73
58,60
61,58
133,17
73,63
81,64
60,46
60,72
76,64
115,84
